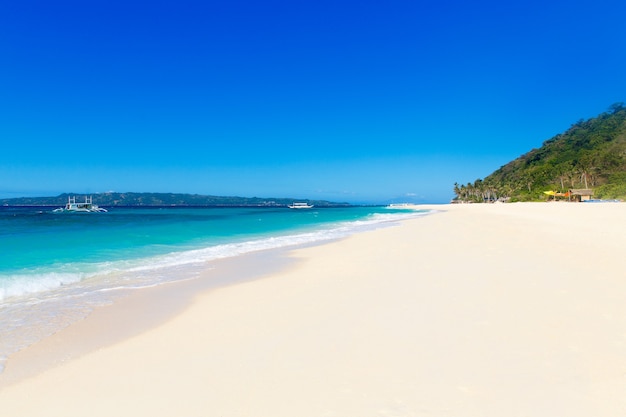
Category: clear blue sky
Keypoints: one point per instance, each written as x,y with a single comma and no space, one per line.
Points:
360,101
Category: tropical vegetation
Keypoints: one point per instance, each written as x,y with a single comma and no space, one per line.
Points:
591,154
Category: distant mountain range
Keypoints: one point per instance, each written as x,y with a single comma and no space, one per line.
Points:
112,199
591,154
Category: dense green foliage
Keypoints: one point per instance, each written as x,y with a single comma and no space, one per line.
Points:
163,199
590,154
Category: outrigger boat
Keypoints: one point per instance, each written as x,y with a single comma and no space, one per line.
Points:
73,207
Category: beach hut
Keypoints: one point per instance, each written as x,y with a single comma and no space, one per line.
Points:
582,194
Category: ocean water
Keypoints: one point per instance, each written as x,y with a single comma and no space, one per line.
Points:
56,267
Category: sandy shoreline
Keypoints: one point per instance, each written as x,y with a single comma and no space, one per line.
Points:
137,311
479,310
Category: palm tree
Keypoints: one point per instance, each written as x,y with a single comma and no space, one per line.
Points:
457,190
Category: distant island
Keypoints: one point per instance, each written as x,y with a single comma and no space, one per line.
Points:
589,160
112,199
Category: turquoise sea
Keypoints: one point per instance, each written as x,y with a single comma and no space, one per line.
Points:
56,267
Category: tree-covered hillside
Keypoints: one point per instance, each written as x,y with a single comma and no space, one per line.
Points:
112,199
590,154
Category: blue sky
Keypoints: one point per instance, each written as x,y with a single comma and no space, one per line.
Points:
360,101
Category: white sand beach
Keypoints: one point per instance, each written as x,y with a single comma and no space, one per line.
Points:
477,310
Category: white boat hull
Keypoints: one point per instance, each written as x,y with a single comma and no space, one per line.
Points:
86,207
300,206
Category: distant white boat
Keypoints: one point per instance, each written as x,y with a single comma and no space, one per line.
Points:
300,206
399,205
86,207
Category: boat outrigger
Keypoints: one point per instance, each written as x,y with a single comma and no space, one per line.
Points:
300,206
73,207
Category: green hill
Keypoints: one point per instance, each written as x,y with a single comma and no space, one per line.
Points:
589,155
111,199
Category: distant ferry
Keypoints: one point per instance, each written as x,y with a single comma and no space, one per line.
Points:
300,206
73,207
